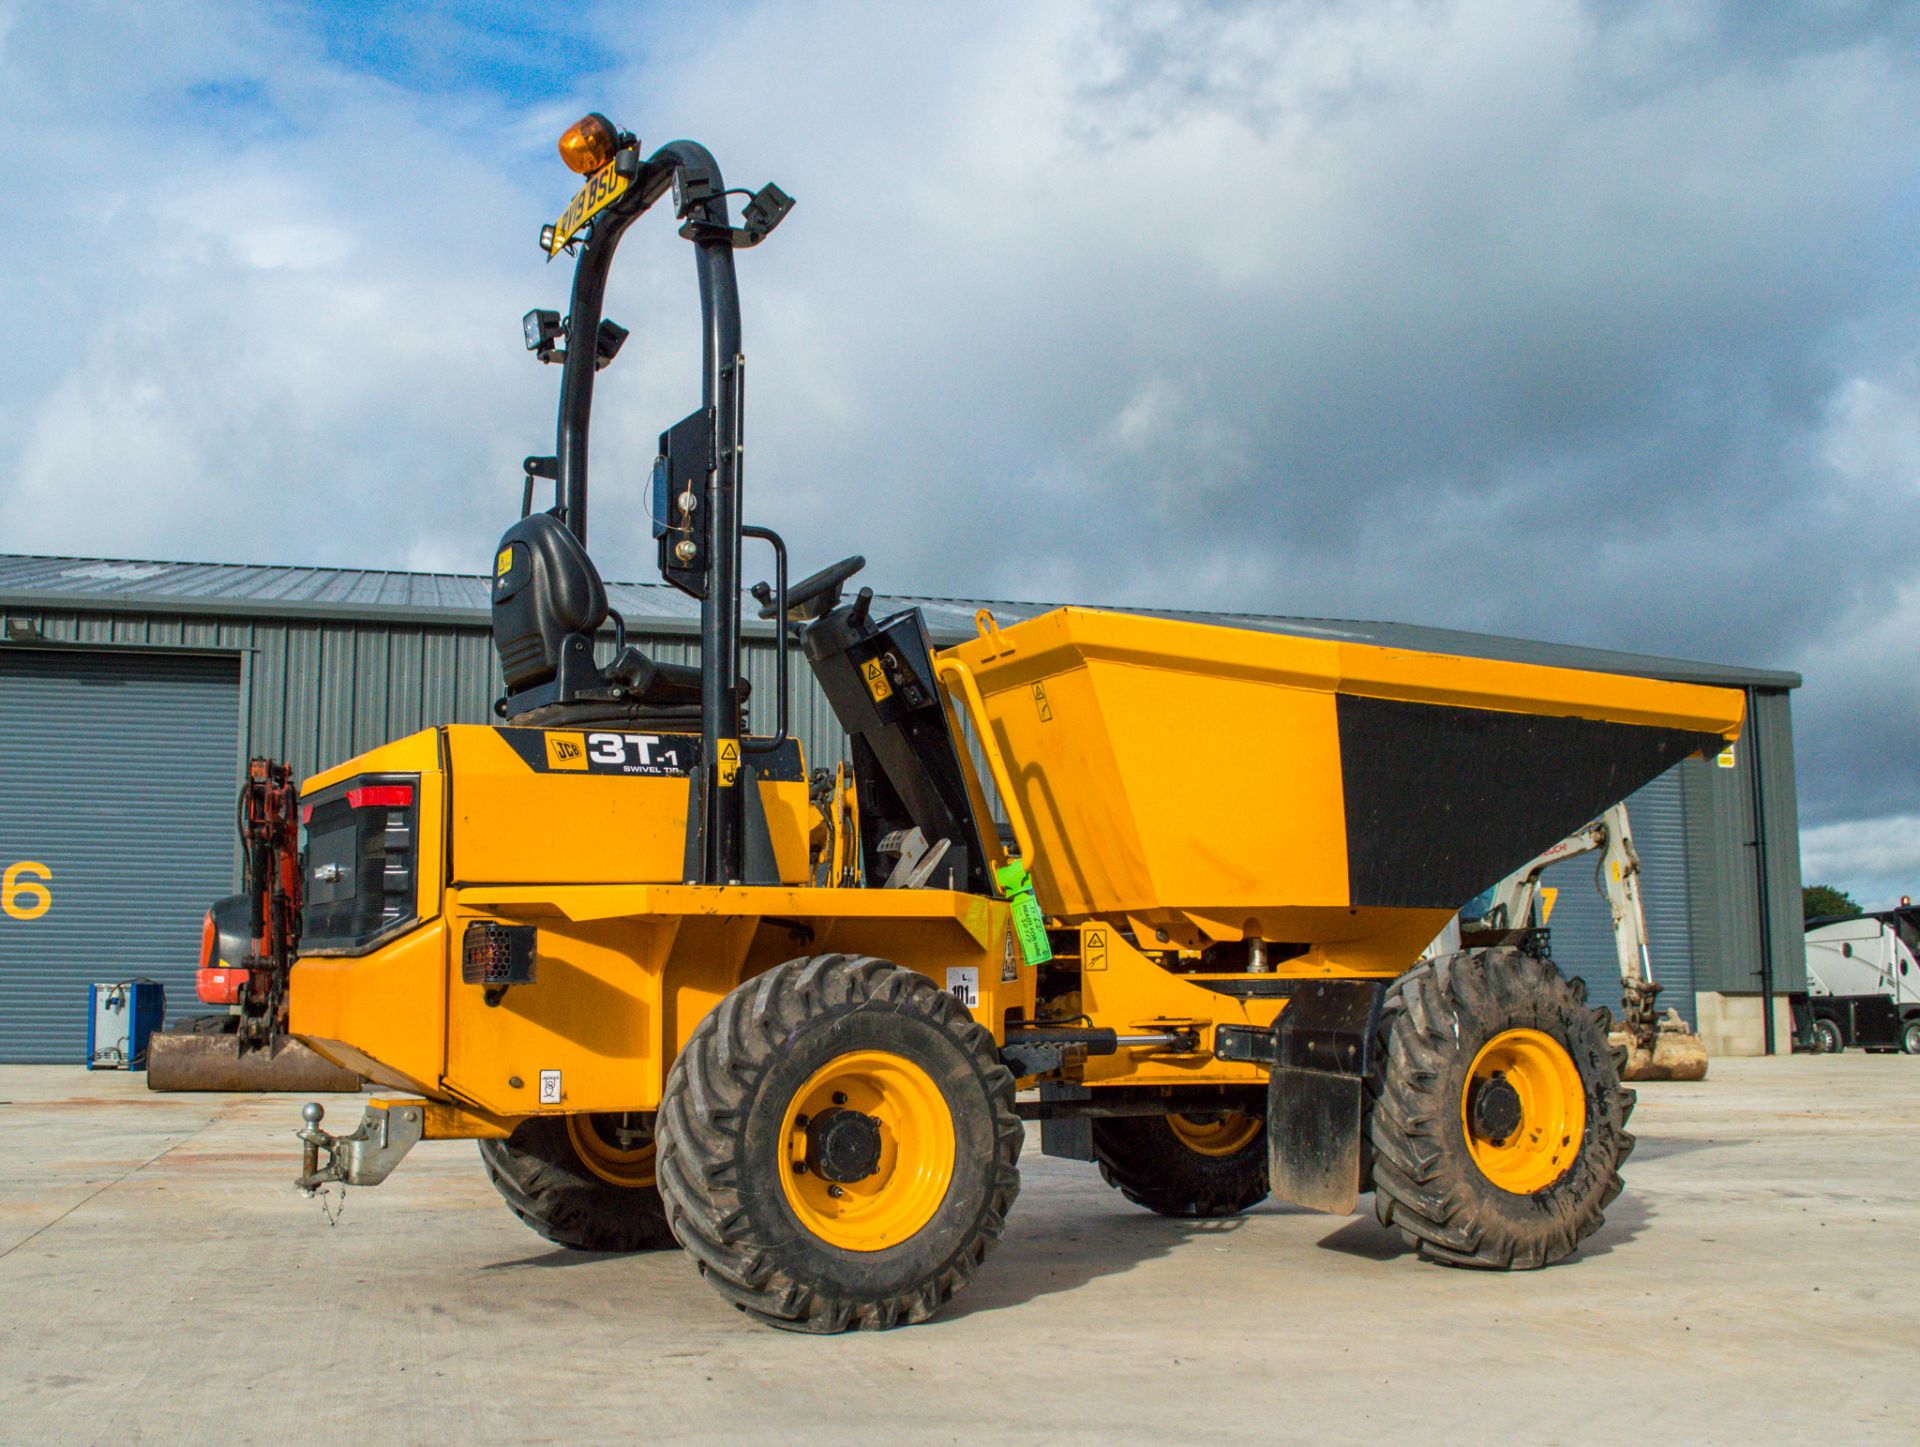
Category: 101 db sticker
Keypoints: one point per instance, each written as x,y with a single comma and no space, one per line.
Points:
963,983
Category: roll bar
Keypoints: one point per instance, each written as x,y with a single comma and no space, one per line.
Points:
715,821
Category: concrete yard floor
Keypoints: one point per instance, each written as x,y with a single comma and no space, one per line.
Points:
160,1281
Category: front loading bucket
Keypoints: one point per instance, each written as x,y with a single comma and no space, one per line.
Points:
1199,783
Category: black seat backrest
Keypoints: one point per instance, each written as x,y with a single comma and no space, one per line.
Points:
545,587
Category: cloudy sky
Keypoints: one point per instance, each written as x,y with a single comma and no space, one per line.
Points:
1592,322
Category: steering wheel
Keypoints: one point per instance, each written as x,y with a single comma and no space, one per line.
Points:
812,596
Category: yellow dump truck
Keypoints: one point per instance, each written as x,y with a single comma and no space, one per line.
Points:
1157,885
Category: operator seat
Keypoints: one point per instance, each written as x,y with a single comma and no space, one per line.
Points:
548,605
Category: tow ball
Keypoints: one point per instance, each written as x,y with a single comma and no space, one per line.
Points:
364,1158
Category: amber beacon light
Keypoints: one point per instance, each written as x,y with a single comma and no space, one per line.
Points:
588,144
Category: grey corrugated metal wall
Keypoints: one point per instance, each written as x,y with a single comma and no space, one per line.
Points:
1582,923
320,692
116,775
1726,852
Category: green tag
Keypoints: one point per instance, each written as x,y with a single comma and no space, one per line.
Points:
1029,925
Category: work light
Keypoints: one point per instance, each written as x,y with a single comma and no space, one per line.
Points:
542,329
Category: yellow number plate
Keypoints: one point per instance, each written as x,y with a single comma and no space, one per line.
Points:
603,188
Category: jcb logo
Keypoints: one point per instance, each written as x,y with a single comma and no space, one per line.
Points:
566,751
23,890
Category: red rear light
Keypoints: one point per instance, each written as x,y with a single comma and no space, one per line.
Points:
206,940
306,813
380,796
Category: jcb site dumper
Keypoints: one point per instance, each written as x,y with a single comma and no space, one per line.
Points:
680,993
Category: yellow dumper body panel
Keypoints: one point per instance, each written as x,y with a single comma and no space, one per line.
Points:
382,1014
588,806
625,975
630,960
1195,783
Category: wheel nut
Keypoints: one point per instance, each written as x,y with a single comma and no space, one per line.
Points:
799,1122
799,1168
835,1192
839,1097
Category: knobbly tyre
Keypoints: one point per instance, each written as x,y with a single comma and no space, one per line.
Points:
681,993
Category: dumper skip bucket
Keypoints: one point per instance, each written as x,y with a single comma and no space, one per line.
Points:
1199,783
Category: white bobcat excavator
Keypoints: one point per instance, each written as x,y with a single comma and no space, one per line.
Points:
1659,1045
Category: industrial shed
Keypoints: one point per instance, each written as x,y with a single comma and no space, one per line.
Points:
132,694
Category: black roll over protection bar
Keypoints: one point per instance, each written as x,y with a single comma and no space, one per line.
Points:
720,835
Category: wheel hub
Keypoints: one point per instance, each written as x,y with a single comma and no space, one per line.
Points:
843,1145
1523,1110
1216,1133
867,1150
1495,1108
618,1147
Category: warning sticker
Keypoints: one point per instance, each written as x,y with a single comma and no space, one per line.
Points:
876,678
1093,950
503,564
1040,702
963,983
1725,757
549,1087
1010,966
728,767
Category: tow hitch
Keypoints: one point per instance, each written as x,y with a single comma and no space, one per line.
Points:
365,1158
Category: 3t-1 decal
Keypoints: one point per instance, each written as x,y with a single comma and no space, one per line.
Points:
635,754
639,753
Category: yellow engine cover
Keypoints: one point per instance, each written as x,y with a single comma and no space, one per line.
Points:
596,806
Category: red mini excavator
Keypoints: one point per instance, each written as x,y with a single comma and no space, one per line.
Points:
247,945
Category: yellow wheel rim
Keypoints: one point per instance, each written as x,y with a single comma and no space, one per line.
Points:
1527,1150
914,1167
595,1142
1215,1133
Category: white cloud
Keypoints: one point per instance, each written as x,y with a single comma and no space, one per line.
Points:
1586,322
1875,860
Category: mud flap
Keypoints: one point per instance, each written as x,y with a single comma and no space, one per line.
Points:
1322,1051
1069,1137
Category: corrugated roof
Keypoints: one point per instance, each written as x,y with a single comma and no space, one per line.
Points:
250,589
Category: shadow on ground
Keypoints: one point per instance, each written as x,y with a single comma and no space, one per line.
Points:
1364,1236
566,1256
1048,1256
1650,1149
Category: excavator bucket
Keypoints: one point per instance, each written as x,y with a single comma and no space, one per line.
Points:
1676,1053
191,1058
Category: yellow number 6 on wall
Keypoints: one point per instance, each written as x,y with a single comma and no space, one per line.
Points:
23,890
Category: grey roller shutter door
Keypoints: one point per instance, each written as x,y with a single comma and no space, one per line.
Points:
1583,928
118,773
